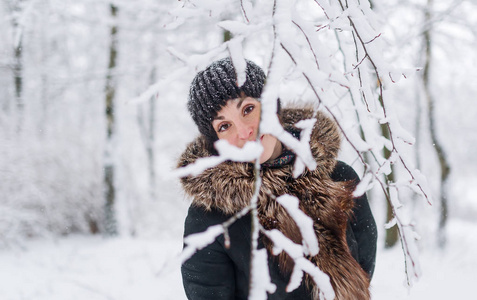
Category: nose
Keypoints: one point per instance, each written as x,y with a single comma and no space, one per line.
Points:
244,131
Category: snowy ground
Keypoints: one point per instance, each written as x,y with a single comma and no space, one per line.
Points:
448,274
79,267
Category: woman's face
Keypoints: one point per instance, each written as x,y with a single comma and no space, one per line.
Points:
238,122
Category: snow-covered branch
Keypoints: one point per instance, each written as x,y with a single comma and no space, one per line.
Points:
302,264
247,153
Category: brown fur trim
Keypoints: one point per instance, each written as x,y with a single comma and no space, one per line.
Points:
228,187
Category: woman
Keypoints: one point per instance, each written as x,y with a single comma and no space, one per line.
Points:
344,226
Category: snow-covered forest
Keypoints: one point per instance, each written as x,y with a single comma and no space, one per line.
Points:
93,119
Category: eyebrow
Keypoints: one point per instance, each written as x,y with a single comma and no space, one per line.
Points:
240,102
238,106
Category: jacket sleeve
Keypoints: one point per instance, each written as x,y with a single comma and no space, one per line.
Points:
362,232
209,273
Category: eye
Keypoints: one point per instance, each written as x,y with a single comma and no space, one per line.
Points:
222,127
248,109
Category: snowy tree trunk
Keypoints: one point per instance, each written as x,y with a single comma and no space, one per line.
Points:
17,67
44,74
17,73
110,225
392,232
443,163
148,134
150,148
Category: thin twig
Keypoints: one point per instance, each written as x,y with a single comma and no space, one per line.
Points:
373,39
309,44
244,12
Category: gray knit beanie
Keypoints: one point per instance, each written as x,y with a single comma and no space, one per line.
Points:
212,88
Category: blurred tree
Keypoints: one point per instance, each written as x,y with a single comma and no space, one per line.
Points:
110,225
15,8
442,157
146,119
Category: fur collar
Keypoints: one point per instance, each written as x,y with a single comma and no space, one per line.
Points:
218,187
228,187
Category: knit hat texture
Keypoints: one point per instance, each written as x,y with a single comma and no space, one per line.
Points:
213,87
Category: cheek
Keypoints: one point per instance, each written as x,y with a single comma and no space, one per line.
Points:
268,144
255,123
257,119
232,139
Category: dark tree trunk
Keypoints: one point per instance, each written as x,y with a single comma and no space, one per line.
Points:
17,73
17,66
443,163
391,233
110,225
